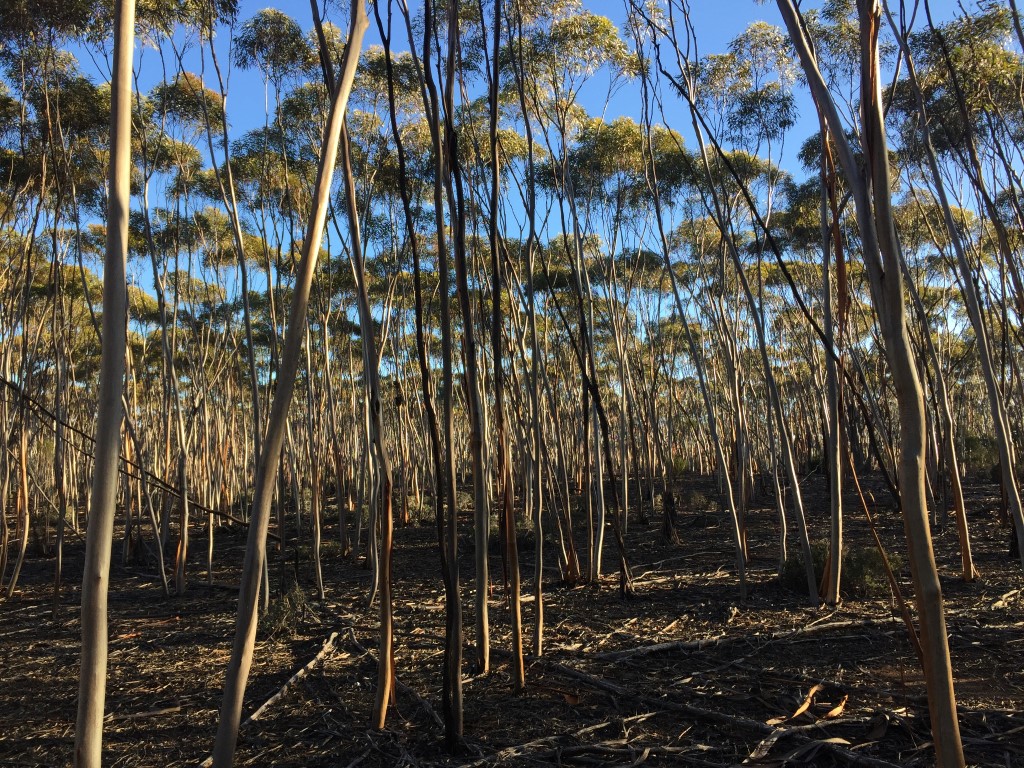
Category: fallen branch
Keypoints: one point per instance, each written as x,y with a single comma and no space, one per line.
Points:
720,718
140,715
668,647
548,748
709,642
1004,600
766,744
327,649
324,652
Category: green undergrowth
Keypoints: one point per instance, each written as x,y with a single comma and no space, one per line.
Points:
285,613
863,573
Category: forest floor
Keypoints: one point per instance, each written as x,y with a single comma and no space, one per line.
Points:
773,682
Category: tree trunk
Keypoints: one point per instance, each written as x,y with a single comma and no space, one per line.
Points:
255,554
871,194
95,579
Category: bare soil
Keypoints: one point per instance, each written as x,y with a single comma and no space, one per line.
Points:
775,682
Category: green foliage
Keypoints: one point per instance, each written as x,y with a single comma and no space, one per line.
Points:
751,85
698,501
968,57
979,452
273,43
331,548
24,19
372,79
794,575
187,102
160,18
285,613
141,306
680,465
79,105
863,573
564,48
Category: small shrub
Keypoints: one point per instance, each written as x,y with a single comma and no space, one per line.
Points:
697,501
330,548
815,463
681,466
979,452
285,613
863,573
794,577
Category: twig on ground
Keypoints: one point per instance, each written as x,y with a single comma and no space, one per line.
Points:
327,649
719,718
721,639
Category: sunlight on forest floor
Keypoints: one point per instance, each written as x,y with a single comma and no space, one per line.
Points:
599,696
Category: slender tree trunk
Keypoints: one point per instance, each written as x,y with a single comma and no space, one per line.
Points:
503,456
1004,439
871,194
95,579
382,463
481,511
834,412
255,554
447,524
945,416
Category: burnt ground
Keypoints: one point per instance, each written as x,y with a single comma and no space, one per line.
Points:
773,683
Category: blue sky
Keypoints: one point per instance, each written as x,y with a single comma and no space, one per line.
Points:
716,23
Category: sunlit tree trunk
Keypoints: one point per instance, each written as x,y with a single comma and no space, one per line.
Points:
255,554
871,195
1004,439
96,575
833,400
382,523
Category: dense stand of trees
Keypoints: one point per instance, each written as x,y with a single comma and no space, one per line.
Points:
438,262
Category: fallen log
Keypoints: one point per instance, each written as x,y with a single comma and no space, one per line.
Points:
328,648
